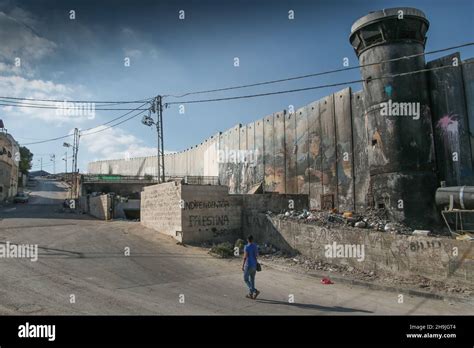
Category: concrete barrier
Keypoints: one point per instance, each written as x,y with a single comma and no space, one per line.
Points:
192,213
431,257
99,207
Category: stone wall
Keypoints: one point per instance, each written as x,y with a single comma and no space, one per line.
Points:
434,258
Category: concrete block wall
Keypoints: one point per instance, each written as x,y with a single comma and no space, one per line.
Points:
99,207
435,258
160,208
192,213
274,202
210,214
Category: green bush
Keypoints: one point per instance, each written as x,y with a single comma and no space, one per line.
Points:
224,250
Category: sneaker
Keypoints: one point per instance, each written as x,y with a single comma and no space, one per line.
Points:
256,294
249,296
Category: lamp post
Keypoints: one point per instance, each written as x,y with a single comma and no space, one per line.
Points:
53,159
66,145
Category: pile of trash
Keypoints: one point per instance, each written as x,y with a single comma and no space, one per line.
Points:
375,219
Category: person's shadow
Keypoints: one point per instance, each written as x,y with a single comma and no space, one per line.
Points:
314,306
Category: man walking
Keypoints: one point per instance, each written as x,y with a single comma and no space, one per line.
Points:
249,267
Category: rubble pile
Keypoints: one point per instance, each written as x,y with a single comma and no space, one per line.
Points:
375,219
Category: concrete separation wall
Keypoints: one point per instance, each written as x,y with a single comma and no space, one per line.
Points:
434,258
341,151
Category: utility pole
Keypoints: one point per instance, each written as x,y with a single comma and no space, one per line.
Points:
159,131
75,149
157,107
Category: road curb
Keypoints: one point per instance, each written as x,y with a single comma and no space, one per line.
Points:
373,286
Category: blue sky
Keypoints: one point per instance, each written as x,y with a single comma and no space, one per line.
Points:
84,59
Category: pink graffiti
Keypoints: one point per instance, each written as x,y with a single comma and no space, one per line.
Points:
448,123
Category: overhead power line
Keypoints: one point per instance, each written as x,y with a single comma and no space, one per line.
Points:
313,87
70,135
62,108
117,118
48,140
319,73
80,101
114,125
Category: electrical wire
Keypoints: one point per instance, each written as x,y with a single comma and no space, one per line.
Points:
69,135
80,101
61,108
319,73
314,87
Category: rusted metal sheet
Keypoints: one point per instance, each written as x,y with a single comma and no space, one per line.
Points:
361,159
328,136
302,151
269,154
344,155
279,143
315,156
290,152
450,123
259,170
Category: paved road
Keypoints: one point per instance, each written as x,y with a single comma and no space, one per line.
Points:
84,257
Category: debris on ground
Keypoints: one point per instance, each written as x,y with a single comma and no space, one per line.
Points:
326,281
305,264
373,219
265,249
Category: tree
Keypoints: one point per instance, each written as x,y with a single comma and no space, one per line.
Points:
26,157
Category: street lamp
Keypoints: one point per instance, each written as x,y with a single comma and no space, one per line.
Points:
53,159
66,145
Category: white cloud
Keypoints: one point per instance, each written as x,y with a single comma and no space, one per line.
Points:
133,53
115,143
20,87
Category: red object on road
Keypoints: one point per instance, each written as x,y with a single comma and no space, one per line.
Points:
326,281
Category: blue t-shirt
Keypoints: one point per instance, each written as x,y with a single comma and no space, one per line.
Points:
251,250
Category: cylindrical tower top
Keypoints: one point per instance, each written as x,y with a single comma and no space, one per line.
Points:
388,26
